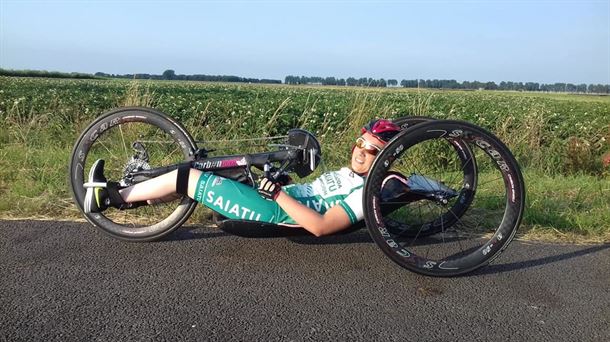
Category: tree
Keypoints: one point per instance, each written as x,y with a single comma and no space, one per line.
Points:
169,74
329,81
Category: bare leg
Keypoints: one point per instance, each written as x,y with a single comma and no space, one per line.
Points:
159,187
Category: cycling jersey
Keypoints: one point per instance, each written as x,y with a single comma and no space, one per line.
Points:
242,202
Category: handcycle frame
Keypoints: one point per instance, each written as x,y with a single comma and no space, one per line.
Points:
304,157
460,135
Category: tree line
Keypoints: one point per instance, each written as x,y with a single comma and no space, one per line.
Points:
316,80
350,81
171,75
44,73
166,75
450,84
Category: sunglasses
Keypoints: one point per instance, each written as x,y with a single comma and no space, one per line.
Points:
367,146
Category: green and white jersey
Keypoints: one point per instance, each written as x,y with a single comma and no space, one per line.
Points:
342,187
242,202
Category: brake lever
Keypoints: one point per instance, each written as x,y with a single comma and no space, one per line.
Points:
312,158
267,170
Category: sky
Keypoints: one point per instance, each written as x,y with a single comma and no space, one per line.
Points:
496,40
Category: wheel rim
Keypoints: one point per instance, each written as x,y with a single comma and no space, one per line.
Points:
480,216
111,139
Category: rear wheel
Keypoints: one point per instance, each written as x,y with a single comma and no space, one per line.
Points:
129,139
441,226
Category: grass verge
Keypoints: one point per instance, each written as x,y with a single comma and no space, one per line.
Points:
33,185
558,139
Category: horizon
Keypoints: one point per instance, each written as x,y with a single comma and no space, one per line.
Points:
488,41
282,80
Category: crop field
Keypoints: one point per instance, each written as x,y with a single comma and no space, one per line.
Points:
558,139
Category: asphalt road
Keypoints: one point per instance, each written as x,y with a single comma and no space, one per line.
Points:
67,281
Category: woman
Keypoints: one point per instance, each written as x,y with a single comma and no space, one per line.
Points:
327,205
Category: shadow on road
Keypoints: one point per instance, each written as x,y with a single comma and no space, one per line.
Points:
193,233
259,230
492,269
352,235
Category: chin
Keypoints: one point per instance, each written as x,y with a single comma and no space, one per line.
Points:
359,169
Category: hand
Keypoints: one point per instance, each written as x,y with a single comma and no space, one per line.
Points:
268,189
284,179
278,177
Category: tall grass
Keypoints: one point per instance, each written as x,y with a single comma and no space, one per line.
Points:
558,139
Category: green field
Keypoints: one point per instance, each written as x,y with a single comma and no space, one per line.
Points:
557,138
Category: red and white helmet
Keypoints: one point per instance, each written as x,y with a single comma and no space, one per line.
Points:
382,129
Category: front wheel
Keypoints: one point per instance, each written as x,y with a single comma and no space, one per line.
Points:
439,225
131,139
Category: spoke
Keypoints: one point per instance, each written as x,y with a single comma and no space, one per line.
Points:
456,231
419,231
467,163
101,142
493,180
123,139
492,196
442,229
420,224
157,141
420,173
147,214
459,220
163,161
125,219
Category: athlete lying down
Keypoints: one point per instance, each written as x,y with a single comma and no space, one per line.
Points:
329,204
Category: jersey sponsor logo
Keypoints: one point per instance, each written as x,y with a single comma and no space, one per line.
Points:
330,189
199,194
217,181
330,183
232,208
319,204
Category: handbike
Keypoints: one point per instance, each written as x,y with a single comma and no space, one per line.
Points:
443,197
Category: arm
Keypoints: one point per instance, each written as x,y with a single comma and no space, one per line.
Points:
334,220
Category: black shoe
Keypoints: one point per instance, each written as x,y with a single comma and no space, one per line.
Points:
97,194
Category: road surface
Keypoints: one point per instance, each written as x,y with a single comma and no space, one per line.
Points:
68,281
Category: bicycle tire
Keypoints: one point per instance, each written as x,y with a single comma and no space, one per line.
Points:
409,121
117,127
498,202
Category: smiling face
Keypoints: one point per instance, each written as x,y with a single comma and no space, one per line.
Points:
361,158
